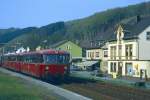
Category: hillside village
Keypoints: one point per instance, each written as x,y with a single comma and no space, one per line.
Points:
117,45
105,56
126,54
99,26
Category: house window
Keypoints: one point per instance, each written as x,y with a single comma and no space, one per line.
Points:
88,54
113,67
97,54
119,36
148,35
129,51
92,55
91,44
95,43
113,52
68,47
105,53
99,43
120,51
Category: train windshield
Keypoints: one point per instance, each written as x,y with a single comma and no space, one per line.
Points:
56,59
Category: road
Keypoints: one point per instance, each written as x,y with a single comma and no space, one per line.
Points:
123,81
107,88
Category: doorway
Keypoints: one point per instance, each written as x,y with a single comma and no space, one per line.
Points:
143,74
129,69
120,65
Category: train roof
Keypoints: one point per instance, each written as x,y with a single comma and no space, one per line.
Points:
47,51
51,51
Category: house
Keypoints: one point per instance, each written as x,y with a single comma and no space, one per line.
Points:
74,49
104,59
97,51
20,50
94,51
129,49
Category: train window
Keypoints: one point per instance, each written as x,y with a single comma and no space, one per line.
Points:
56,59
50,59
12,58
26,58
37,59
20,58
30,58
33,58
63,59
5,58
40,58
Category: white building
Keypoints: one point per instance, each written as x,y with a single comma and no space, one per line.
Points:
104,59
22,49
129,50
97,51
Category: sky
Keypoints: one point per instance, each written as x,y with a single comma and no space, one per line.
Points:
27,13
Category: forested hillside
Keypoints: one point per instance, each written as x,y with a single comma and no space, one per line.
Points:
98,26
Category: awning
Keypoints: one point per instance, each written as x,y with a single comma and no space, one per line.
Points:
86,63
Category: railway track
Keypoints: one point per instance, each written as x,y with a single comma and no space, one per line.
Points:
106,91
97,90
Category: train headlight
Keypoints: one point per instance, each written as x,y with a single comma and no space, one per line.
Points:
46,67
65,67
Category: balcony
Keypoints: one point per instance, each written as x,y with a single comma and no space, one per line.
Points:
122,58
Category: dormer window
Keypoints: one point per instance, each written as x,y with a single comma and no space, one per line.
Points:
148,36
99,43
91,44
96,44
119,33
119,36
68,47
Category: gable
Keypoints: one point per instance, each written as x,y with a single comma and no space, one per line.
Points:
120,33
72,48
132,29
68,45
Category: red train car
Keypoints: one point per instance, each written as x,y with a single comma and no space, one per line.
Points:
45,64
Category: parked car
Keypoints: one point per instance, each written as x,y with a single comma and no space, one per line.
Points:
74,68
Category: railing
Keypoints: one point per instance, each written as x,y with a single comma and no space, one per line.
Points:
122,57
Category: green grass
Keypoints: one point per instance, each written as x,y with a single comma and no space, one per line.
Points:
12,88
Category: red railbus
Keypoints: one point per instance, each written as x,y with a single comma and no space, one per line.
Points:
45,64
